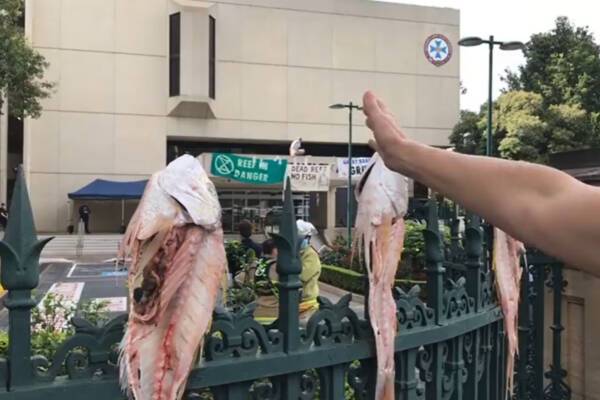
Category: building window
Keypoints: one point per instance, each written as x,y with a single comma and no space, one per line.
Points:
174,53
211,57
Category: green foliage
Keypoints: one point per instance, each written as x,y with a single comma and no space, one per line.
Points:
21,67
341,255
414,243
243,263
352,281
413,254
524,128
468,135
553,101
237,255
342,278
561,65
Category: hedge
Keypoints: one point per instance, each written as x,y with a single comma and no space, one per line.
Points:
352,281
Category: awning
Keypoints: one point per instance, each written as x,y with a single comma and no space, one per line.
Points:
101,189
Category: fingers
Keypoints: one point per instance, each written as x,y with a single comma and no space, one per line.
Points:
383,107
373,105
370,105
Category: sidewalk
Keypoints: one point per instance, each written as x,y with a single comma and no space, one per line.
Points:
334,294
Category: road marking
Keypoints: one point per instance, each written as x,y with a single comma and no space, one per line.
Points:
115,304
70,291
114,273
71,270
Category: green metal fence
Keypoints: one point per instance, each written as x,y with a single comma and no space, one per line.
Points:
450,347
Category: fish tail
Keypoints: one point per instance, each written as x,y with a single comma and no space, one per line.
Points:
510,378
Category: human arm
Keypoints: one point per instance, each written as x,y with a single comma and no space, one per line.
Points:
538,205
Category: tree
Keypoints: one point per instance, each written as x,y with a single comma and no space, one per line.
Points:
552,103
524,129
562,66
467,135
21,67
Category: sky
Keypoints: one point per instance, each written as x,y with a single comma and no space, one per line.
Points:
507,20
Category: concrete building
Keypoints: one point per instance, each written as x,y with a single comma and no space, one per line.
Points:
139,82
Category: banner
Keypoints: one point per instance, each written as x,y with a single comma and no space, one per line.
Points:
359,164
247,169
309,177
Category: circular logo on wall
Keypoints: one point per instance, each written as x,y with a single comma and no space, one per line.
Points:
438,49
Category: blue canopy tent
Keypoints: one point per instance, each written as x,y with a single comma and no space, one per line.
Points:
101,189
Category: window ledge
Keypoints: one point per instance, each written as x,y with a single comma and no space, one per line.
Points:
191,107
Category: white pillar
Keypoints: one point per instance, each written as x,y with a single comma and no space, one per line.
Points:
331,207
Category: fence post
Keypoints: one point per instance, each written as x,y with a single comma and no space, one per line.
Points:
474,251
434,257
539,277
557,389
523,388
288,269
20,251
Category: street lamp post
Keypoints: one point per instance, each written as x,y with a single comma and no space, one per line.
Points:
350,106
476,41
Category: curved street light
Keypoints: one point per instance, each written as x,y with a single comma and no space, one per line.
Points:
476,41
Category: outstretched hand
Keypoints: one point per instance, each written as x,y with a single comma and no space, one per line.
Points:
388,135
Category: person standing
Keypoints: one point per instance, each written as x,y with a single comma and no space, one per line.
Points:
245,229
265,282
311,270
84,214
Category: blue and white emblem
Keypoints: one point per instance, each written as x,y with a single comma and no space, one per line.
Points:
438,49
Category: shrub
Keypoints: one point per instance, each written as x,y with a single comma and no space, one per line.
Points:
342,278
237,256
352,281
413,255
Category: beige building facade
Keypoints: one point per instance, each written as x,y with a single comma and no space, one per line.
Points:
248,73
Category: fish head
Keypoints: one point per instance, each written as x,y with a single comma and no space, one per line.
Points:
185,180
156,211
382,197
180,194
380,193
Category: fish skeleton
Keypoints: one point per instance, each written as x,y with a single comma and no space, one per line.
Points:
507,252
178,260
382,197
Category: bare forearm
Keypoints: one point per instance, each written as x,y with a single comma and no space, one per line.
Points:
501,191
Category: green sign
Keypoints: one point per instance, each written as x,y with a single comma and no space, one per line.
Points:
247,169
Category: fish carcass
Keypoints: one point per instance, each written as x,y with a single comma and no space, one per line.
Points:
382,197
177,263
506,256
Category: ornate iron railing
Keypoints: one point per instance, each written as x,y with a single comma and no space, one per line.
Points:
450,347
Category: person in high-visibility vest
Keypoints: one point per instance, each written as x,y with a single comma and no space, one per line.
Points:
311,270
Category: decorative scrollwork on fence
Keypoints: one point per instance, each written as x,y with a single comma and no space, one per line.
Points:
265,389
334,323
424,361
410,310
309,385
487,290
359,377
90,351
456,300
237,334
